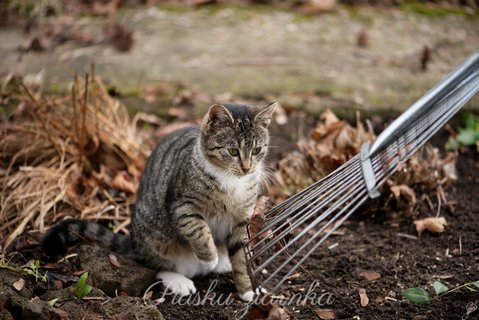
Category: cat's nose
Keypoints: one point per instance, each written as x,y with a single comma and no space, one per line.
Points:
245,165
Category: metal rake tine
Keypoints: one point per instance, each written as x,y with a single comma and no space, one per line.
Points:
330,178
281,236
305,217
317,244
310,226
304,245
306,198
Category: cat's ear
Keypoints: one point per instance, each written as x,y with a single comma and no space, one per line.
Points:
218,113
264,114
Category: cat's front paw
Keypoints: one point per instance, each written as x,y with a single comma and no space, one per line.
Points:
176,283
248,296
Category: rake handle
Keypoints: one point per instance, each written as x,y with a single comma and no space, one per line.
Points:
425,104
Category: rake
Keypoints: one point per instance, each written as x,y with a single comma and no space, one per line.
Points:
295,228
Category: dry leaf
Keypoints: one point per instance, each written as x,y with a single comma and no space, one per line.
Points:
450,171
277,313
257,219
431,224
114,260
326,314
100,8
405,191
370,275
328,117
148,295
364,300
124,182
19,284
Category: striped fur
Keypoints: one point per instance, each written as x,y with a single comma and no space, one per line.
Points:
194,201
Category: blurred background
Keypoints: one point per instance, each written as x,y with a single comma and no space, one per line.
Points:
378,55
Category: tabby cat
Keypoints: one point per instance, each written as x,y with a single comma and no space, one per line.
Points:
196,196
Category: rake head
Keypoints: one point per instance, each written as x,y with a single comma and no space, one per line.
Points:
281,239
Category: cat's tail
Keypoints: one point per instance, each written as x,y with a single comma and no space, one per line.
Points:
71,232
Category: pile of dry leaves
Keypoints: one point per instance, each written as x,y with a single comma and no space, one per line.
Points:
418,185
77,155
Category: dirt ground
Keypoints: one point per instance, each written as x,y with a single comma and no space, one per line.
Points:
371,242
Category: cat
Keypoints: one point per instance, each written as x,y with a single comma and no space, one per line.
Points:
196,196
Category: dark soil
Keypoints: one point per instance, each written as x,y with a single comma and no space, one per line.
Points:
374,242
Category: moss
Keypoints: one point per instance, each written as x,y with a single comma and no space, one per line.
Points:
432,10
175,8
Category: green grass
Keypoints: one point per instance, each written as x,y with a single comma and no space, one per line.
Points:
32,270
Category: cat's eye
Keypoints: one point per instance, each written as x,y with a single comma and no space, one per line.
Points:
233,151
256,151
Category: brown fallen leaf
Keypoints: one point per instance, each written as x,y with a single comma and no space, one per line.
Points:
318,6
124,182
58,284
364,300
101,8
19,284
114,260
277,313
406,192
326,314
369,275
431,224
258,219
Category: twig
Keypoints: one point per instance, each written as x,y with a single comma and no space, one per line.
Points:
95,99
41,120
460,245
438,203
75,114
83,125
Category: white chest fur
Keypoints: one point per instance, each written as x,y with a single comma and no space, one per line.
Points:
220,227
238,190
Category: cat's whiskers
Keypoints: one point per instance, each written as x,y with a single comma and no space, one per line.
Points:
268,177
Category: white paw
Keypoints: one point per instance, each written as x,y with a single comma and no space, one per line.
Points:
207,266
224,264
259,291
176,283
248,296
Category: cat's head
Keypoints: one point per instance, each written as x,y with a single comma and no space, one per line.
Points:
235,137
